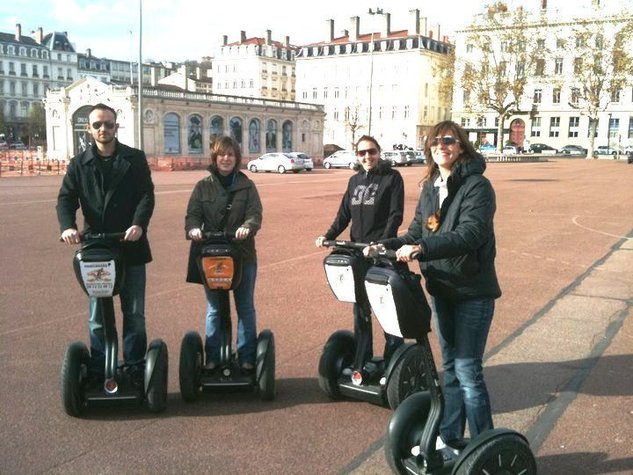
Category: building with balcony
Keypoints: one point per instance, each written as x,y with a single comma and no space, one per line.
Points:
378,81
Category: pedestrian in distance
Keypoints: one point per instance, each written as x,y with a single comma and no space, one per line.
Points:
452,236
227,201
374,204
111,183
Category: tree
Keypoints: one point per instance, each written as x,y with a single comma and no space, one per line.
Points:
36,123
495,79
602,65
2,124
353,122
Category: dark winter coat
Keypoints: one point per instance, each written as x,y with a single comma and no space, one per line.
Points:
127,201
373,202
206,210
457,260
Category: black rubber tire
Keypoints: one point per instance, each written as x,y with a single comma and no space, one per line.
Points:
252,169
74,368
338,353
281,169
352,166
266,375
190,367
327,166
157,387
405,429
408,377
505,455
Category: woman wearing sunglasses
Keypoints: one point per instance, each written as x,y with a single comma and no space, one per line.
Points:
374,203
452,236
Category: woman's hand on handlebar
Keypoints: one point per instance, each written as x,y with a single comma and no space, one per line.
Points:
195,234
71,236
408,252
319,241
373,249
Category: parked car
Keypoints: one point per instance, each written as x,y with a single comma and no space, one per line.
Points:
275,162
629,158
4,145
572,150
308,164
607,150
398,157
542,148
419,156
486,148
341,159
510,150
628,149
17,145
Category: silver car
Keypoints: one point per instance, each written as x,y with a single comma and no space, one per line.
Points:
398,157
342,159
275,162
308,164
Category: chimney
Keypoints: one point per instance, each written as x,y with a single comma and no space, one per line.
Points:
18,31
438,31
269,37
39,35
414,22
386,25
423,23
329,32
355,28
242,36
287,42
543,4
225,40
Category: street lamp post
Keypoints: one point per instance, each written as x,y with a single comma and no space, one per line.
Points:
609,134
378,11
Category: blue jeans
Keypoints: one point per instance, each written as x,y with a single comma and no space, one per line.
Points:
132,296
463,330
246,318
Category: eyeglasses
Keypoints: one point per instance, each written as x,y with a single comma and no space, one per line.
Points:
370,151
446,140
108,125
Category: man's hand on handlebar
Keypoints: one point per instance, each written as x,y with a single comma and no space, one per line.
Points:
408,252
242,233
70,236
133,233
319,241
373,249
195,234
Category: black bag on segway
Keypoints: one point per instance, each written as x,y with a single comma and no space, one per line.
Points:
99,269
345,271
220,265
398,301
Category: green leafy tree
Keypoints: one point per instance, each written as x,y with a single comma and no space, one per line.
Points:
603,65
36,123
507,50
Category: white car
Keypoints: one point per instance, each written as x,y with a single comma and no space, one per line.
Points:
398,157
341,159
275,162
510,150
308,164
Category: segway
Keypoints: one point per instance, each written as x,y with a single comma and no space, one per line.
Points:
344,371
221,270
99,269
410,446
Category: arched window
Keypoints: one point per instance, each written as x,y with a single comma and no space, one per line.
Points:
216,128
287,136
171,133
194,134
235,126
271,136
253,136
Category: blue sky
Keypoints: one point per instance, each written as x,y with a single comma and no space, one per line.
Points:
189,29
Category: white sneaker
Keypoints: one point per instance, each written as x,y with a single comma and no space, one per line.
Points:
439,443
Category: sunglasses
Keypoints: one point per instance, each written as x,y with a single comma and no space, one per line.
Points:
370,151
108,125
446,140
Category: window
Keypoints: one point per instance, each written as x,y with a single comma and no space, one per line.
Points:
271,136
574,122
538,94
254,145
593,123
194,134
577,65
406,112
615,96
235,130
631,127
558,66
394,112
540,43
560,43
314,93
536,127
554,126
575,95
540,67
216,128
469,48
23,69
171,133
286,132
556,95
614,127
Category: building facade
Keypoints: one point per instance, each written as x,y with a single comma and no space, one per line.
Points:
181,123
571,39
384,83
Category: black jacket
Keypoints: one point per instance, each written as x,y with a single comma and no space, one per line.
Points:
207,207
457,261
128,200
373,202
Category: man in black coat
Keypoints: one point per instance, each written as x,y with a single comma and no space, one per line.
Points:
112,184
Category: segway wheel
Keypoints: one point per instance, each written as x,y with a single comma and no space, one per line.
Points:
338,353
405,429
508,454
156,368
265,371
408,377
191,358
74,370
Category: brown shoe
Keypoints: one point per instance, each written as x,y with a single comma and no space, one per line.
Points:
248,366
210,366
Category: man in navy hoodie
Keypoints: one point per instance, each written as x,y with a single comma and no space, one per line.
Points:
374,203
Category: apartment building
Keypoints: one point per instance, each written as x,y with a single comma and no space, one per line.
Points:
376,80
570,39
255,67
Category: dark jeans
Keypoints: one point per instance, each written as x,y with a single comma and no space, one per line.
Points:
132,296
246,318
364,337
463,330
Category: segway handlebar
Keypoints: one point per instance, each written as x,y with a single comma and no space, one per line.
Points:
83,237
214,235
388,253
